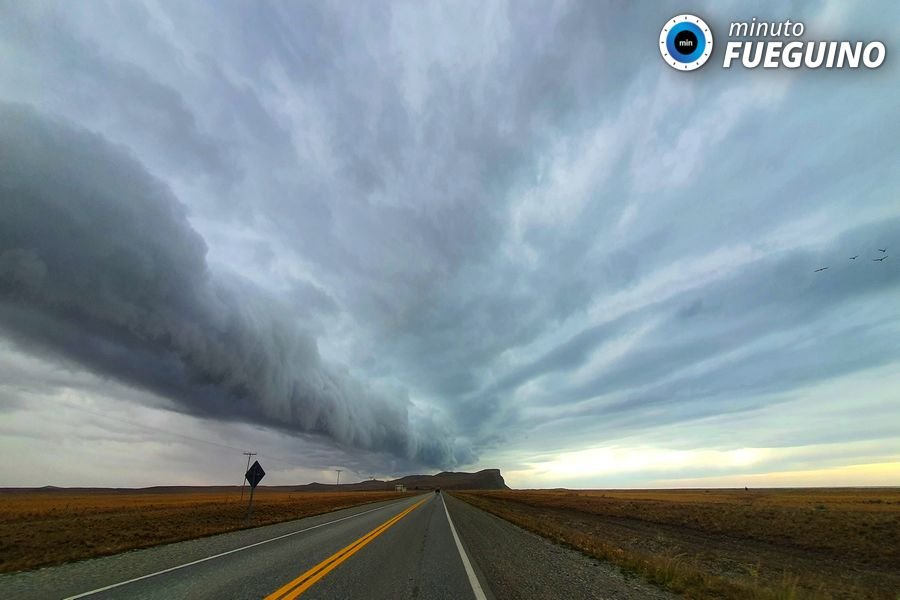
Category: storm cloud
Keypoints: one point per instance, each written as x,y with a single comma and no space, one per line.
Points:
99,265
443,235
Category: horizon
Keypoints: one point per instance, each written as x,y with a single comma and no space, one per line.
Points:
420,238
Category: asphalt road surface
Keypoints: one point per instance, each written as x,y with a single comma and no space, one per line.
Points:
430,547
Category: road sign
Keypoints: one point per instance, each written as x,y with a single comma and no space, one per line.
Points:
255,474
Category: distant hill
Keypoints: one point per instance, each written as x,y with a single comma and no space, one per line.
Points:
487,479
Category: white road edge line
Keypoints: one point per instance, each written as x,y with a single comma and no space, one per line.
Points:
473,580
221,554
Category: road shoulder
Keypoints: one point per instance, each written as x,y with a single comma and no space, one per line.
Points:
518,564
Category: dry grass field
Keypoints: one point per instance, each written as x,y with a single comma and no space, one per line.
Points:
46,527
731,544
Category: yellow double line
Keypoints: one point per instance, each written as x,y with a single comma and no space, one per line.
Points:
296,587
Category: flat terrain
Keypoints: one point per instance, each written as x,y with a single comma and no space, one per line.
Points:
783,543
403,549
52,526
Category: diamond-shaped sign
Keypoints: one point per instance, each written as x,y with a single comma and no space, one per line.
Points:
255,474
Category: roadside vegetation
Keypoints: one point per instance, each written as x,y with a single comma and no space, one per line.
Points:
791,544
46,527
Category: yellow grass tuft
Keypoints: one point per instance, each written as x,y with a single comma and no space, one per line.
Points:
46,527
730,544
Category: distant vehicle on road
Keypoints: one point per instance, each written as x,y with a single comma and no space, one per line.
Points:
437,490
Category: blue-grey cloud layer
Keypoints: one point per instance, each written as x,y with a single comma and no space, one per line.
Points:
99,264
499,220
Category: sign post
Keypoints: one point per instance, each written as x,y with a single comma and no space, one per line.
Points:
254,475
248,455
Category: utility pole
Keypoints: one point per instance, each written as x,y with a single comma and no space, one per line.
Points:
244,478
339,478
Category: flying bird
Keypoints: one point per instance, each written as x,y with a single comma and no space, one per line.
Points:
879,259
822,269
882,249
854,257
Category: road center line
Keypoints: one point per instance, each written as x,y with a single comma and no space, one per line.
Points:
473,579
297,586
195,562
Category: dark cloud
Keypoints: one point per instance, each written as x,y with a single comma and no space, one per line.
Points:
98,264
312,298
67,72
512,223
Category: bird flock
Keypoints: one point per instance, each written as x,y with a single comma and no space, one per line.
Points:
880,258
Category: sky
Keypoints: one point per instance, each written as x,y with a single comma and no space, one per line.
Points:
405,237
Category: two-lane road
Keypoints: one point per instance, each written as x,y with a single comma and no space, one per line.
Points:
410,555
428,547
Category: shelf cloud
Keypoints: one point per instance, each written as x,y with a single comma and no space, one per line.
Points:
100,266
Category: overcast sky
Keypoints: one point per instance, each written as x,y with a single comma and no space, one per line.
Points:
411,237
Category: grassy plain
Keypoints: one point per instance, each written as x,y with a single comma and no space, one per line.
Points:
45,527
730,544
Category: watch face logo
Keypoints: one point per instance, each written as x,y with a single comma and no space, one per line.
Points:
685,42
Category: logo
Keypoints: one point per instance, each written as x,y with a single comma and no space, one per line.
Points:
685,42
772,45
